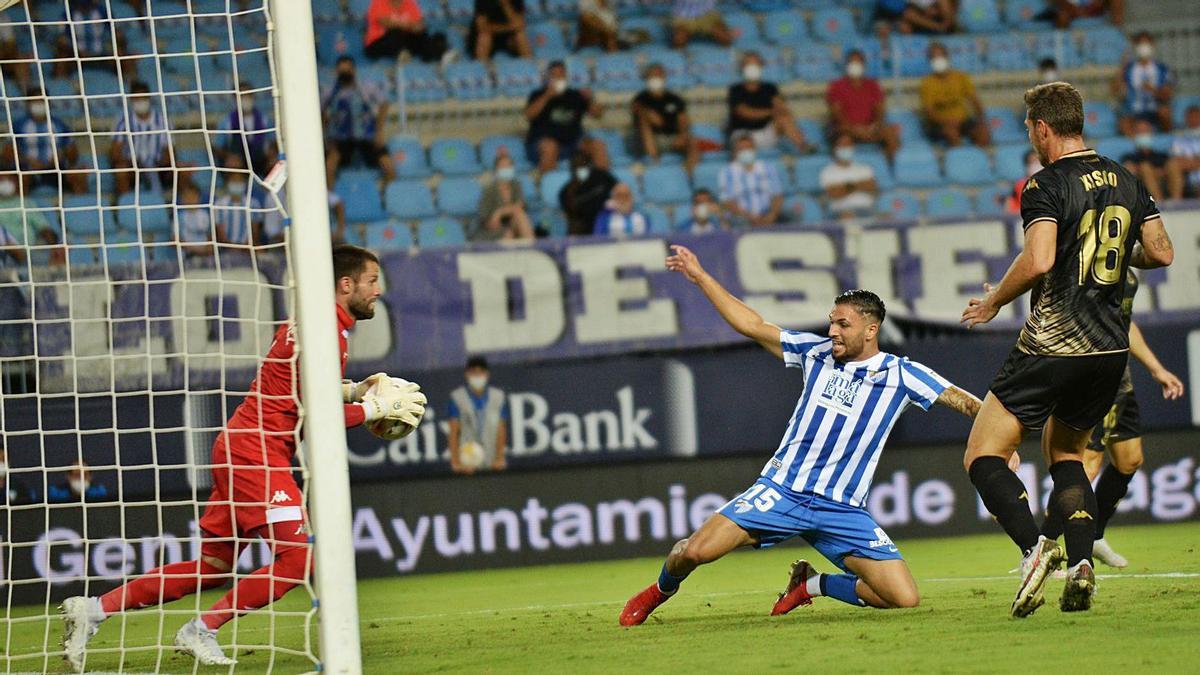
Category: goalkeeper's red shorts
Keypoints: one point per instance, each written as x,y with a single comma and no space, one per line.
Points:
246,496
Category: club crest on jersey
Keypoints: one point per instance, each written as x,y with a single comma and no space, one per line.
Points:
840,392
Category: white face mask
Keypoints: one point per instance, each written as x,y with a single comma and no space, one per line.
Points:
855,69
37,110
656,84
701,211
1144,50
78,485
237,188
844,154
939,64
745,156
1143,141
247,108
141,106
506,173
7,188
559,86
1049,76
582,173
752,72
477,382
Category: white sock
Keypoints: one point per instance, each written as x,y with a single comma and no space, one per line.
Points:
813,585
95,609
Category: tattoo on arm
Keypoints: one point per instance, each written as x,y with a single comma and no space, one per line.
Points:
960,401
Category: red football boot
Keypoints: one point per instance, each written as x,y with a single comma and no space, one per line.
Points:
638,609
797,591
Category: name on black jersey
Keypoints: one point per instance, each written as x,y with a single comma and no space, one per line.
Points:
1097,179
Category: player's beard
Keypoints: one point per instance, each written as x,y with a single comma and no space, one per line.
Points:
363,309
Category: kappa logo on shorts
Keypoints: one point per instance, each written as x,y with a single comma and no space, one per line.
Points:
280,496
742,506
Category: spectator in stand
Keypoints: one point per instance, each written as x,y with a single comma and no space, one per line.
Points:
144,129
245,130
856,107
619,219
498,25
87,39
918,16
705,215
78,487
751,189
355,115
1012,202
1185,150
395,26
478,418
193,223
598,25
698,18
1063,12
14,493
1145,86
1048,71
13,62
502,207
949,105
849,185
661,119
272,217
46,148
237,213
583,196
555,114
758,107
19,223
1154,168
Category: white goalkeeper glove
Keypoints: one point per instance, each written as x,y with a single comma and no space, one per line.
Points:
395,399
353,392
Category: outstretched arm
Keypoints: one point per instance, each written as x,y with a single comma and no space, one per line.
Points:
960,401
1172,386
736,313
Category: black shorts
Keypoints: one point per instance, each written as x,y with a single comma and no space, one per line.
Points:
1076,390
1123,420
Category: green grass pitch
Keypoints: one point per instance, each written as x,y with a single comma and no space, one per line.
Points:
563,618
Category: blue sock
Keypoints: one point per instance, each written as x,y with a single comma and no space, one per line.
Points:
669,584
841,587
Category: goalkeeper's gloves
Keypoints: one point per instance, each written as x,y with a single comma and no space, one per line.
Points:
398,400
353,392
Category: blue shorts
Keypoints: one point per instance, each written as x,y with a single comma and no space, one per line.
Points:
774,514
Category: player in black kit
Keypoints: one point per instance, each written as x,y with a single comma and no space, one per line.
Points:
1086,220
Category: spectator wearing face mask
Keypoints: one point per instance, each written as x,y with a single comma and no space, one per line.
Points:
1156,169
751,189
502,213
142,142
661,119
856,107
245,131
849,185
555,114
757,107
1185,151
18,222
193,223
619,219
949,105
237,213
1048,71
46,149
1146,87
584,195
705,215
88,38
355,115
478,417
78,487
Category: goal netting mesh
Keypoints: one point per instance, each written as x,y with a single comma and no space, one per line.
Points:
142,277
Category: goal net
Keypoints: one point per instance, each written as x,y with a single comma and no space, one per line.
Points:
143,274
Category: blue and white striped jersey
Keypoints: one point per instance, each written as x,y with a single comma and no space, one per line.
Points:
844,416
148,136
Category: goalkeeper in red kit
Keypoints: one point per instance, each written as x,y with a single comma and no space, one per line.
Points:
254,493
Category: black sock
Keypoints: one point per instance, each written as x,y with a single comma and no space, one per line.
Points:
1074,500
1004,496
1052,526
1110,489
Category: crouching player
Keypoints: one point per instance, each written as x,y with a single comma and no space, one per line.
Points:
816,485
254,493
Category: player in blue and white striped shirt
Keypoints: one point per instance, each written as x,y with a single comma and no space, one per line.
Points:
816,484
141,141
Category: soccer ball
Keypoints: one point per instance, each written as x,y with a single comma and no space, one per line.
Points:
470,455
386,429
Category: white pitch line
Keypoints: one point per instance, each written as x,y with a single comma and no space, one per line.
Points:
1158,575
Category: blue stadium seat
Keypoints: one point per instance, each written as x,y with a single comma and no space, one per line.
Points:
898,205
948,203
1056,44
884,178
815,63
454,156
615,141
808,172
666,184
802,209
910,125
1010,161
359,191
387,235
516,77
409,199
657,220
356,9
554,222
913,53
338,40
529,189
966,52
1180,105
469,80
833,24
917,167
81,255
84,218
408,156
714,66
744,29
707,131
514,146
547,40
1103,46
123,249
707,175
459,196
458,11
147,214
785,28
1099,120
1005,54
1006,126
968,165
421,82
776,66
566,9
626,176
673,62
990,201
1114,148
552,183
1022,13
618,72
433,232
979,16
814,133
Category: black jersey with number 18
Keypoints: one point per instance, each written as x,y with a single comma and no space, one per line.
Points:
1099,208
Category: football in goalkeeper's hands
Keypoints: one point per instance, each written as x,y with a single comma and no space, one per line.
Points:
389,429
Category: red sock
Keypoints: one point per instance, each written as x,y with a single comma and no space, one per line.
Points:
261,588
162,585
